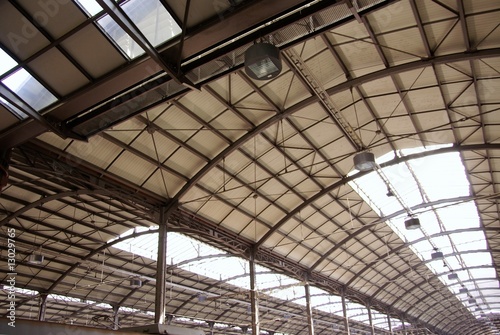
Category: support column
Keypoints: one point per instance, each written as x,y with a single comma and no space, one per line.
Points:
116,317
389,323
211,325
370,318
254,299
161,269
43,307
344,313
310,320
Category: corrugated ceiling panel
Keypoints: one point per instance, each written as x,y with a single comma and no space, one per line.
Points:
132,168
430,11
186,163
215,210
156,146
207,143
236,221
202,104
96,151
156,184
406,46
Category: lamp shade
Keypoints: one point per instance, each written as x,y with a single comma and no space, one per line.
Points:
437,255
472,301
412,223
36,259
452,276
364,161
262,61
463,290
202,298
135,283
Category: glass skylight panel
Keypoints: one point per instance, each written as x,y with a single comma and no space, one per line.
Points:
6,62
121,38
29,89
290,291
356,311
469,241
460,216
90,6
402,181
490,283
441,176
152,19
477,259
431,225
436,177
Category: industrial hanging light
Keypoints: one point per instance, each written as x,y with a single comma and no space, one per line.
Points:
262,61
36,258
452,276
135,283
436,255
364,161
412,223
463,290
202,297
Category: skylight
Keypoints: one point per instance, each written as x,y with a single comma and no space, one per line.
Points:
205,260
90,6
149,16
152,19
6,62
436,189
29,89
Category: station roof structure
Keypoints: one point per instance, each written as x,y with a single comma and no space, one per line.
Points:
117,117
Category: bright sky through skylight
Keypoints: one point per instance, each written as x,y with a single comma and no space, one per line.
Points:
91,6
150,17
190,255
441,177
25,86
6,62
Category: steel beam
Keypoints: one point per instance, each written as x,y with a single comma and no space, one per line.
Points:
254,299
347,330
309,313
161,269
43,306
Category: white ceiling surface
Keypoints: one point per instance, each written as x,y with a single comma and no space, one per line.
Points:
284,188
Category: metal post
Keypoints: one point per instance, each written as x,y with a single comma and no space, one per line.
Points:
310,320
370,318
254,299
161,269
116,317
389,323
344,311
211,325
43,307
